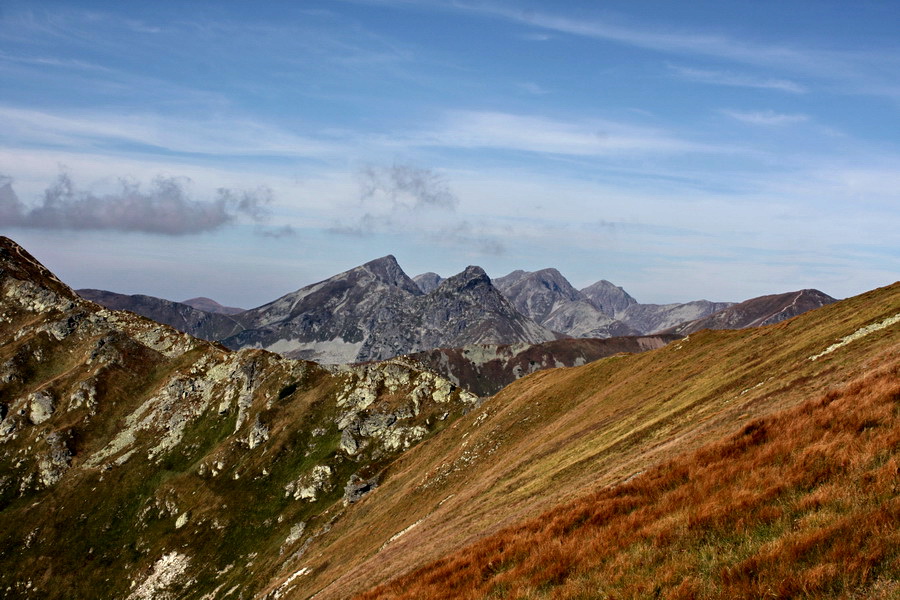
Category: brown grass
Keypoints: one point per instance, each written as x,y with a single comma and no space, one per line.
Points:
801,504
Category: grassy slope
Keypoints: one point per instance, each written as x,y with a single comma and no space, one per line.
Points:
556,435
800,504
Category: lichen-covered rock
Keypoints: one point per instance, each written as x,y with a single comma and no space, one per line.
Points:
259,433
310,485
55,462
41,407
357,487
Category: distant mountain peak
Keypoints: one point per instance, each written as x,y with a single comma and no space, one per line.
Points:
471,277
428,281
387,270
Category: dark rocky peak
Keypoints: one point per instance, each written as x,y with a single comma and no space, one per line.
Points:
471,278
756,312
17,263
210,305
552,280
387,270
608,297
428,281
509,279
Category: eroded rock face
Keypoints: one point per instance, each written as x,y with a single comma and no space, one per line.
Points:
136,439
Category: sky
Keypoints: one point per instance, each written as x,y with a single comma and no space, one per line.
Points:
682,150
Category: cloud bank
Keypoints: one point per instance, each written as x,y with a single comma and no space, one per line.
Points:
165,207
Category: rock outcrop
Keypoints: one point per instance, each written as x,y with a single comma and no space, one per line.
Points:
167,463
756,312
548,298
375,312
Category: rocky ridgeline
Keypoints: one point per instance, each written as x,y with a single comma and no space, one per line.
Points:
137,461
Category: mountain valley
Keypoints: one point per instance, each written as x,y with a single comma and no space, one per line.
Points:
139,462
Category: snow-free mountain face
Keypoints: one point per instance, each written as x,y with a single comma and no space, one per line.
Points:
162,465
650,318
208,325
210,305
548,298
608,297
757,312
428,281
376,311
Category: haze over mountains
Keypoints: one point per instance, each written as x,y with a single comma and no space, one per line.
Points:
376,311
137,462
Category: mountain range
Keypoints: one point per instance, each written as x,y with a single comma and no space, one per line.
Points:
138,462
376,311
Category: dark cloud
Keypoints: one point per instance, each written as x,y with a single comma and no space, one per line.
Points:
165,207
464,234
405,200
407,187
277,232
394,198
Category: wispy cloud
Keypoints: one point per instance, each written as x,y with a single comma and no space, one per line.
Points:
395,198
533,88
472,129
152,133
849,72
165,207
406,187
727,78
767,118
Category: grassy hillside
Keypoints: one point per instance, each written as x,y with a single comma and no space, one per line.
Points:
556,435
804,503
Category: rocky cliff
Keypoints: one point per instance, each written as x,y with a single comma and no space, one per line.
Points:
376,311
139,462
548,298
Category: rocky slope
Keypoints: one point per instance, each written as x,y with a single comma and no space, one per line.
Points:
376,311
199,323
651,318
757,312
139,462
210,305
559,435
548,298
608,297
486,369
428,282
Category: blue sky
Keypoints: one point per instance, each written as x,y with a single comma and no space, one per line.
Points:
718,150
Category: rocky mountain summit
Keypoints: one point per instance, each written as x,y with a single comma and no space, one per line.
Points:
757,312
428,282
136,460
201,323
608,297
600,310
209,305
376,311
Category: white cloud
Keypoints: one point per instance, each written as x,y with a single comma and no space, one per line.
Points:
736,79
215,136
767,118
473,129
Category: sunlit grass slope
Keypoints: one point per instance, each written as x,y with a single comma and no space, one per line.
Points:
558,435
803,503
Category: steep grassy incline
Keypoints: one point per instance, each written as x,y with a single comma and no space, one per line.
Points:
805,503
137,462
556,435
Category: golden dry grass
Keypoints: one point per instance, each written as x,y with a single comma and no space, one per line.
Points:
803,503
